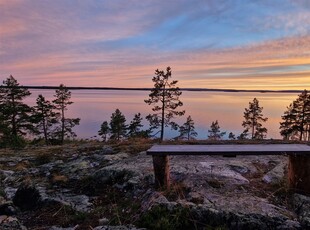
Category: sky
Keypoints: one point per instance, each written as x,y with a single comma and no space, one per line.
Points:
226,44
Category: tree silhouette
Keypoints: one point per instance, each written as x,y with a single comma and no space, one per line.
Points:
134,128
244,135
215,132
118,126
14,114
231,136
104,130
296,119
165,98
287,127
44,117
62,101
253,119
187,130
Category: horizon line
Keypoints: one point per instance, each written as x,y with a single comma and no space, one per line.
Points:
148,89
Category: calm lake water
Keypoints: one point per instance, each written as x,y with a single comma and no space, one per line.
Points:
94,107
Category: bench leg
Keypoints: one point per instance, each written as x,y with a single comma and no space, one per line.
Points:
161,171
299,173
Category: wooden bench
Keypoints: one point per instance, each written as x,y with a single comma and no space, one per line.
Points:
299,159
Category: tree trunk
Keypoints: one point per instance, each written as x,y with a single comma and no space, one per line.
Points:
162,117
302,123
253,127
14,128
62,124
45,131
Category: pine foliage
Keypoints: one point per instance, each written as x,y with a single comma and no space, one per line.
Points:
65,127
187,130
44,117
296,119
14,113
104,130
118,126
134,128
215,131
253,119
164,97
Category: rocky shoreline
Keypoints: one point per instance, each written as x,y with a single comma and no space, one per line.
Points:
105,187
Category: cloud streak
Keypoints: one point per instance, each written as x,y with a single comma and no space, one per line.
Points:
120,43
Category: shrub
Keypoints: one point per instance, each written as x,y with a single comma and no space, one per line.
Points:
160,217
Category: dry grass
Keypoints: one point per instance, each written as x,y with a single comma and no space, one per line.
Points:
59,179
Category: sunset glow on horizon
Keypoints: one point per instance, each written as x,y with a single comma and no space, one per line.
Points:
226,44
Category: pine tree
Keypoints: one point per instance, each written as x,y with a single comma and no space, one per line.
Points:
215,131
15,115
62,101
302,108
253,120
296,119
104,130
287,127
134,128
165,98
244,135
231,136
44,117
118,126
187,130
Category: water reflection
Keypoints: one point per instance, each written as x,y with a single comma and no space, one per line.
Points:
94,107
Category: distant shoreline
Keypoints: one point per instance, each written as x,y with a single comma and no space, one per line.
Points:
148,89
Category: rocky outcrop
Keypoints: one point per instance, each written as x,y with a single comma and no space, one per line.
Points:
302,208
10,223
276,175
209,190
130,227
206,215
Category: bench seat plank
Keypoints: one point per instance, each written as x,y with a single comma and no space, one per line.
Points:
246,149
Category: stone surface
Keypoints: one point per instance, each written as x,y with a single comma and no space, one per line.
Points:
10,223
130,227
60,228
302,208
276,175
103,221
212,187
7,208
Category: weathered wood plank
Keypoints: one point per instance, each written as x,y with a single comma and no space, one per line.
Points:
299,173
255,149
162,172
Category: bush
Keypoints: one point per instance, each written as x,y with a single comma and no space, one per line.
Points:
160,217
42,159
14,142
